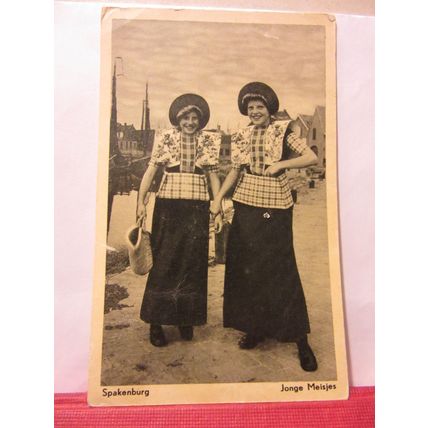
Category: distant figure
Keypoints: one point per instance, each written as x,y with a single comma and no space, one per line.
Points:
263,295
176,290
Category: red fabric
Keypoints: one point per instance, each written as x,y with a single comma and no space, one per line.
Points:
71,410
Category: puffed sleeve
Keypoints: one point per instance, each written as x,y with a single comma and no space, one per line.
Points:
298,145
161,154
240,148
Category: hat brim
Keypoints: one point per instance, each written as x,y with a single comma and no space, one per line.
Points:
186,103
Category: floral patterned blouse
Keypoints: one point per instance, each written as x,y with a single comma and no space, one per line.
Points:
166,150
241,144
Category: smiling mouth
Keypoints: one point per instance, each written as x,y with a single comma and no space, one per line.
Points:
189,128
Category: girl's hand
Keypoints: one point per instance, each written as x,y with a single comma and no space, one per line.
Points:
215,207
218,223
272,170
141,210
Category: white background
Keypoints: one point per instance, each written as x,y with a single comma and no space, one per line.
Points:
27,76
401,226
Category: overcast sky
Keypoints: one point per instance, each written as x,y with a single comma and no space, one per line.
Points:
215,60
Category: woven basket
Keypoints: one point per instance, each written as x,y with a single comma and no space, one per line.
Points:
139,248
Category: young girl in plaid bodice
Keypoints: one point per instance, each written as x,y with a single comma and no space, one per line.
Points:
263,294
176,289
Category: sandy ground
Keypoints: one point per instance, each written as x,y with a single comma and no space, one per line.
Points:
213,355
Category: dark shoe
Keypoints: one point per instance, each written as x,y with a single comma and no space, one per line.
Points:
249,341
186,332
308,362
157,338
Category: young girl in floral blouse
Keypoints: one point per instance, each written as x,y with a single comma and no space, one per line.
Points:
176,290
263,295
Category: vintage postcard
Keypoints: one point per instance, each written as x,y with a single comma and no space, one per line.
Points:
217,261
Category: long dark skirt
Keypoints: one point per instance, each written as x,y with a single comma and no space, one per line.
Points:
263,293
176,290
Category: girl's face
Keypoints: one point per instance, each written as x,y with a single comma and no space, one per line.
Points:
189,123
258,113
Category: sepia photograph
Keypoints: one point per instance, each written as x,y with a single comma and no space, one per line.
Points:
217,262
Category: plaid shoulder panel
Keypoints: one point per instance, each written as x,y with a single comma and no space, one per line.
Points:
264,192
183,186
296,144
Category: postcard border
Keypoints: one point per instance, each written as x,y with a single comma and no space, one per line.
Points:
219,392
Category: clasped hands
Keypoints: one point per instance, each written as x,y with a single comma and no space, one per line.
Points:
217,214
